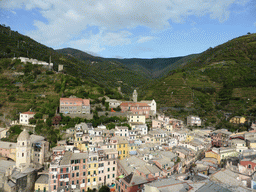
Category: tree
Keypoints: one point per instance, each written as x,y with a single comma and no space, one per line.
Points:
11,98
103,101
32,121
104,189
49,122
38,116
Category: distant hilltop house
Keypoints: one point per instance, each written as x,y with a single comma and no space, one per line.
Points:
34,61
113,103
24,117
193,121
237,120
74,105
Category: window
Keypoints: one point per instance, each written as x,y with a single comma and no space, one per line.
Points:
73,174
94,179
77,182
61,183
99,178
83,173
249,166
88,180
77,174
66,169
94,172
108,169
73,182
113,168
108,176
113,175
114,162
54,187
83,166
89,173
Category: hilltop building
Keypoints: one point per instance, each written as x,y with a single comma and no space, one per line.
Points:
24,117
193,120
74,105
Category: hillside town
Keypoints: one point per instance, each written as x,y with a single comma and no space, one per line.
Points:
155,153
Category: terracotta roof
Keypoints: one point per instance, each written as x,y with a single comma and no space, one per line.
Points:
134,104
78,101
29,112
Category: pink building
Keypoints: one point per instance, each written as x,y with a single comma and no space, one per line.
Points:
74,105
131,183
135,108
107,166
8,149
69,173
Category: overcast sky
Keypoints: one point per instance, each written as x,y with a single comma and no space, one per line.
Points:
131,28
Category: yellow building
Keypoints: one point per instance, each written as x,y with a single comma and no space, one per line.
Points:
252,144
42,184
189,138
92,171
136,119
122,147
211,154
237,120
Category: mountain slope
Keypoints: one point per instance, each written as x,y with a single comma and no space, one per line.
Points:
219,80
101,72
149,68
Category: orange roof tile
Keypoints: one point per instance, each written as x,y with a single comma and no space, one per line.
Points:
78,101
29,112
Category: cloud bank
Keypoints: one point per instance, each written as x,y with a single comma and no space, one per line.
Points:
70,18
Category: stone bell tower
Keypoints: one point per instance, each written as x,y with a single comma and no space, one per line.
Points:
135,96
23,150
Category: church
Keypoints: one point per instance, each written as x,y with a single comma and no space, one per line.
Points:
22,174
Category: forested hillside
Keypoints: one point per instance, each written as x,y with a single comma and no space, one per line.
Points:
221,80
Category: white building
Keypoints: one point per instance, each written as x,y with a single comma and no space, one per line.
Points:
113,103
239,145
24,117
121,131
193,121
139,128
152,104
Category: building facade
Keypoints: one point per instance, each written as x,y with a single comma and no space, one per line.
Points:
74,106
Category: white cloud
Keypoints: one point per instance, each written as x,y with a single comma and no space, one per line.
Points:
255,24
145,39
68,18
97,43
13,12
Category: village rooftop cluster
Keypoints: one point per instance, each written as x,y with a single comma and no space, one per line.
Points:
172,155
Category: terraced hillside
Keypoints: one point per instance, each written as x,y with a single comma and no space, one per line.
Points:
220,80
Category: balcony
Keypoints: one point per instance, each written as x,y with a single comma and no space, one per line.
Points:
64,179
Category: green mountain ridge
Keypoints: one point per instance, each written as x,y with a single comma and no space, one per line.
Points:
218,81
